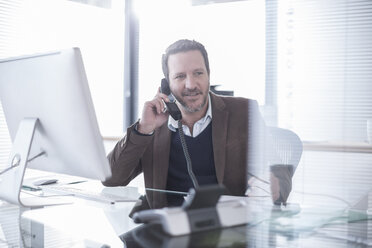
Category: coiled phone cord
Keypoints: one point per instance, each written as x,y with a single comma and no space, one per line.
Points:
187,156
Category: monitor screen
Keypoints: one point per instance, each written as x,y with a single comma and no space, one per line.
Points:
53,88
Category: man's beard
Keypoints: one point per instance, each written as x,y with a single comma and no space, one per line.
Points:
193,109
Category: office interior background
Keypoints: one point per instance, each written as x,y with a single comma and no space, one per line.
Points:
307,62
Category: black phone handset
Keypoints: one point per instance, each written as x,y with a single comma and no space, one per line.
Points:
172,107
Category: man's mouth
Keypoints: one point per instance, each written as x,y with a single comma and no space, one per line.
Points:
191,93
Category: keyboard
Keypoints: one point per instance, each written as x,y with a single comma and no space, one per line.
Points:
86,194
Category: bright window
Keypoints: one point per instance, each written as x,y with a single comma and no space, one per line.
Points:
33,26
233,34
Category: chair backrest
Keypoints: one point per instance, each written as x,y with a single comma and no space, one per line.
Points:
287,146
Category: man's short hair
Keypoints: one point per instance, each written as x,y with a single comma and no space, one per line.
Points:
183,45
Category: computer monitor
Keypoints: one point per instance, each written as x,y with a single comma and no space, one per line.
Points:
51,119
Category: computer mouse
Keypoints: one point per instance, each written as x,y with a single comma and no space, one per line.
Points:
45,181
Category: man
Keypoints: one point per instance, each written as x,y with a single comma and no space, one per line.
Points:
217,130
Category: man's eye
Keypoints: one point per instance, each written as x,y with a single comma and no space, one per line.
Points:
180,77
199,73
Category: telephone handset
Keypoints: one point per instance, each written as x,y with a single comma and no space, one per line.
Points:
172,107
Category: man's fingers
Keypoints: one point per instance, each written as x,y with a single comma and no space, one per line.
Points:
159,101
164,109
160,105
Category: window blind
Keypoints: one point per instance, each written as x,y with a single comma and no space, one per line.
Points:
325,61
324,92
9,10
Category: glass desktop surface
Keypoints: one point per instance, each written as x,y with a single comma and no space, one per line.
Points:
293,225
171,198
91,224
279,227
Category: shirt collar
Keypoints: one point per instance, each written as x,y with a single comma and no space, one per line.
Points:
173,124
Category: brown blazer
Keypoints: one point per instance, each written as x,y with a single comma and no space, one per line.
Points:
231,117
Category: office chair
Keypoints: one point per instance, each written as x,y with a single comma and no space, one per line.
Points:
213,88
284,156
286,146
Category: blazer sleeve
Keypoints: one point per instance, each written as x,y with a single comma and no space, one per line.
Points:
125,158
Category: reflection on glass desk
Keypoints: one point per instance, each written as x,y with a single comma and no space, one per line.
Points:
151,235
95,224
280,227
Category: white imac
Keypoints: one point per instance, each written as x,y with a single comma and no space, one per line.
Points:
51,120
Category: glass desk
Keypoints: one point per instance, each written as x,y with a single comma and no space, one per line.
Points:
93,224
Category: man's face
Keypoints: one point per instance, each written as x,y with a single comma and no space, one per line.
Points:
189,80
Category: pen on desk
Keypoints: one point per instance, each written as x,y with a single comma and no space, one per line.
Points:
76,182
29,188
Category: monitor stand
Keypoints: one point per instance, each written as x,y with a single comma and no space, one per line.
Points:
11,178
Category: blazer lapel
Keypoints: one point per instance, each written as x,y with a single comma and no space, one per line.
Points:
219,133
161,157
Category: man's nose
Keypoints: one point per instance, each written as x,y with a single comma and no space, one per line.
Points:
190,82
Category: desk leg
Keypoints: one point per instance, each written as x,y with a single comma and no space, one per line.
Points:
37,234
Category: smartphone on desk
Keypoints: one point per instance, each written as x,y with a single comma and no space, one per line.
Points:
172,107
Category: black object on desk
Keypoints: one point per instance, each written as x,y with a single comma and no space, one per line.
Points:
198,213
201,207
152,235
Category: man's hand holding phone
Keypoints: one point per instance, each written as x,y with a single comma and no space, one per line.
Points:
153,114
